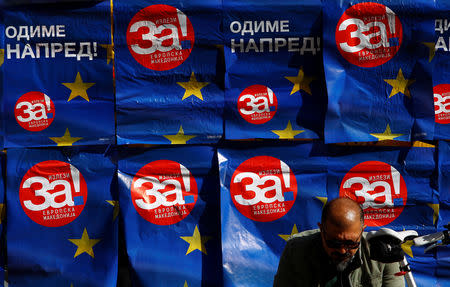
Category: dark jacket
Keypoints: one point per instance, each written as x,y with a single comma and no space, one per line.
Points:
305,263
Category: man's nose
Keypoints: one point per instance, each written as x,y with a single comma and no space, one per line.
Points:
342,250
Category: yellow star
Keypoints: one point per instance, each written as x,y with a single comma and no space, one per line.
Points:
196,241
435,207
287,236
301,82
422,144
431,47
65,140
84,244
78,88
322,199
116,209
400,84
109,52
386,135
288,132
2,56
185,284
407,247
2,212
179,138
193,87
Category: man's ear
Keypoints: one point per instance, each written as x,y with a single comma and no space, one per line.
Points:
320,225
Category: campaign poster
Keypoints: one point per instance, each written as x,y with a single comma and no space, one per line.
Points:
439,59
169,203
379,86
57,74
62,229
169,71
274,81
268,193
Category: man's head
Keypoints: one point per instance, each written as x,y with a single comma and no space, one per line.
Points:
341,229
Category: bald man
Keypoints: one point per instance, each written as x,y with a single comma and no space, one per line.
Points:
336,255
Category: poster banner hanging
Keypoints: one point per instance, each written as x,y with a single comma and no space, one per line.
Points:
440,60
57,75
169,200
396,188
274,82
62,228
169,72
374,58
265,193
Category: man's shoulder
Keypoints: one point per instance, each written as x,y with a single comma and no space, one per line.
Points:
305,239
306,235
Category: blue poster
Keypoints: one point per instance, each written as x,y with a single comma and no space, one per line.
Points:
440,61
375,68
266,191
274,81
169,202
396,187
2,215
57,75
62,228
169,71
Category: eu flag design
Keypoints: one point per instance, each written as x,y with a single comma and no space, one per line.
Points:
274,82
53,196
57,79
169,201
2,215
375,67
265,193
394,185
439,59
169,72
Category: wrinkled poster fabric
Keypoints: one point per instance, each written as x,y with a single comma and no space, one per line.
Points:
375,61
169,72
274,81
265,193
57,75
169,201
62,229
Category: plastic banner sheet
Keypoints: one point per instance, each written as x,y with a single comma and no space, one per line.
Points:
265,193
169,74
440,58
169,200
61,226
274,83
396,188
2,216
57,75
374,57
443,214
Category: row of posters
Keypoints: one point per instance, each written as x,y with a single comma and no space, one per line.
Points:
201,216
190,72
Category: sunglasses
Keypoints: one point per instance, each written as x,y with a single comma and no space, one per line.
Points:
338,244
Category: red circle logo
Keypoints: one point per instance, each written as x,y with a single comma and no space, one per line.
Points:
263,188
368,34
34,111
160,37
379,188
53,193
257,104
164,192
441,102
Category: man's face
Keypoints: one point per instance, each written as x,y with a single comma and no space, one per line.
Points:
341,244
